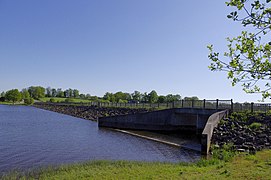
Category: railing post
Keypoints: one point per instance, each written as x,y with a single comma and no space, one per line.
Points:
252,105
192,103
204,105
182,103
231,105
217,103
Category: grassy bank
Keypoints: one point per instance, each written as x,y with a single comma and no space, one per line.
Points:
57,99
10,103
242,166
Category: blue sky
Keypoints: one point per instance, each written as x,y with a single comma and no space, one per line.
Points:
103,45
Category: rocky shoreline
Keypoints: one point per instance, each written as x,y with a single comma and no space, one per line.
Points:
246,132
88,112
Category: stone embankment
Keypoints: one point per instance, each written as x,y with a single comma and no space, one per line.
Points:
250,134
88,112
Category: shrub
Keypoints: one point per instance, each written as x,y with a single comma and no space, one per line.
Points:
255,125
70,100
52,100
29,101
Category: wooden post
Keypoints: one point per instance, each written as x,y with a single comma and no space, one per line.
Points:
217,103
204,105
252,105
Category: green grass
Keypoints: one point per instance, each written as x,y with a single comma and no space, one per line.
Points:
11,103
6,103
57,99
242,166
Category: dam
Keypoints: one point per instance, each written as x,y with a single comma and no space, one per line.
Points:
197,121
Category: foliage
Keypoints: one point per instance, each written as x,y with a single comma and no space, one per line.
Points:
52,100
25,94
152,96
2,94
59,93
219,154
2,99
240,167
13,95
28,101
136,96
36,92
162,99
45,94
226,153
70,100
172,98
255,125
241,116
247,60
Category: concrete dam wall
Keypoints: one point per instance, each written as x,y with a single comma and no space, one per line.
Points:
177,119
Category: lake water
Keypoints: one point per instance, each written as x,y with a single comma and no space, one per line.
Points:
31,137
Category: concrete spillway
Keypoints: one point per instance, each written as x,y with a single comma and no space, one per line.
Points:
198,121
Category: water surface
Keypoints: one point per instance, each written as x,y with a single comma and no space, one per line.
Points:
31,137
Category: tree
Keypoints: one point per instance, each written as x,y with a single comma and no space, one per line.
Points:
172,98
59,93
25,94
88,96
109,97
36,92
145,97
247,60
193,98
2,94
82,96
13,95
29,101
162,99
153,97
54,92
26,97
66,93
136,96
48,92
75,93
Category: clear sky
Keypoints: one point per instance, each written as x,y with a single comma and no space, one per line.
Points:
116,45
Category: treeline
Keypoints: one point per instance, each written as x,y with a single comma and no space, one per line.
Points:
28,95
138,97
32,93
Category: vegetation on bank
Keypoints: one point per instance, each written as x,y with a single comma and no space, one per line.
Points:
241,166
73,95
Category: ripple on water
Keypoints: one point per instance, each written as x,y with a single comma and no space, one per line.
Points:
31,137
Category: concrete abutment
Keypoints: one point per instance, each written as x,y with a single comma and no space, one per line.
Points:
198,121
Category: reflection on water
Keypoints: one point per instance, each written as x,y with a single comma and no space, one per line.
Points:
32,137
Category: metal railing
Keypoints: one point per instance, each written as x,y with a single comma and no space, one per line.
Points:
252,107
205,104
